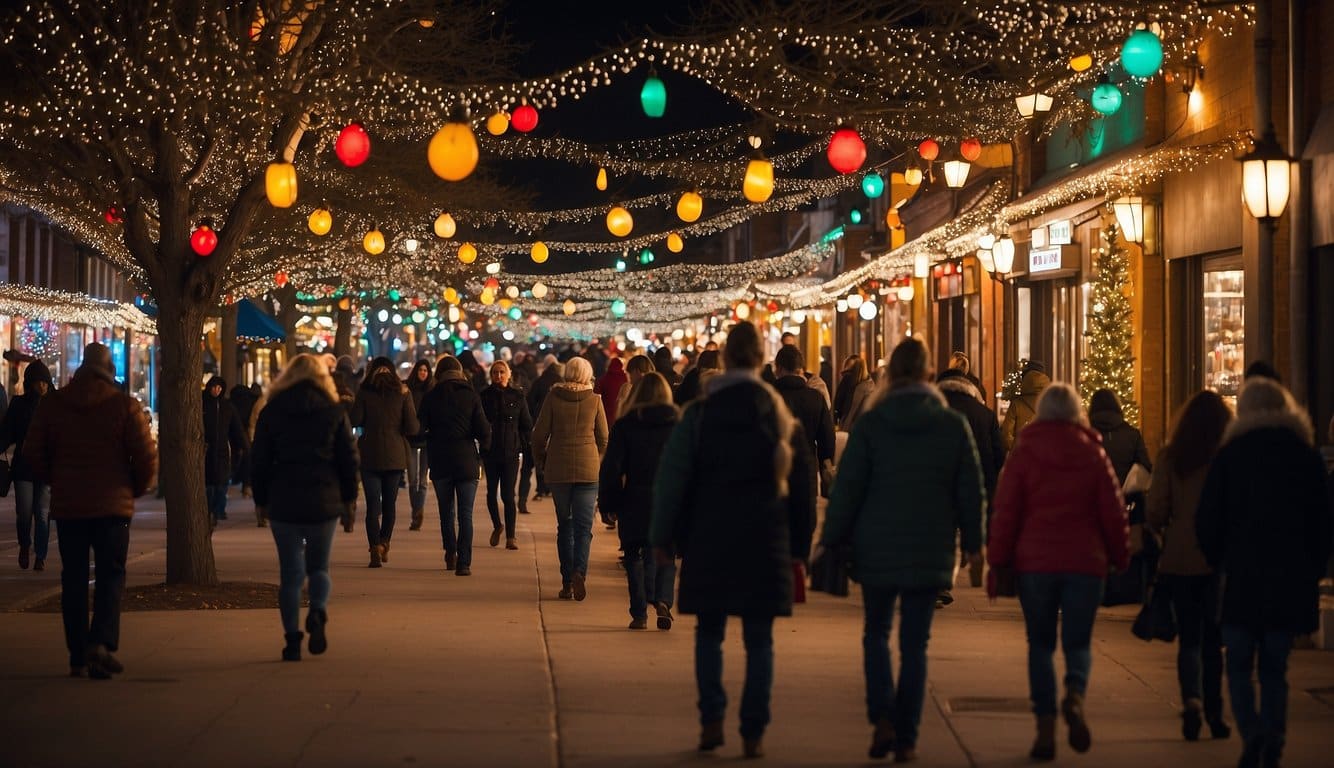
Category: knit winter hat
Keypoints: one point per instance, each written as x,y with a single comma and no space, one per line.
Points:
35,372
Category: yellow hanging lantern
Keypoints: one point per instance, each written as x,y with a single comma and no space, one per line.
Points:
619,221
451,296
467,253
280,184
1081,62
488,297
445,226
689,207
674,243
498,123
320,221
602,179
568,307
539,252
505,304
452,152
759,182
373,242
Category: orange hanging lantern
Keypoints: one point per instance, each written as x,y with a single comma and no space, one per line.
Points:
846,151
689,207
539,252
280,184
758,184
373,242
674,243
467,253
452,152
928,149
619,221
971,149
320,221
497,123
445,226
601,182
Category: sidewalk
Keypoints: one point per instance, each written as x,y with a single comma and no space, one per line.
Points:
429,669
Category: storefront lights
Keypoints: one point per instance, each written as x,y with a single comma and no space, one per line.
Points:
1003,254
1130,217
868,310
986,242
855,300
906,293
841,305
921,266
988,260
956,173
1264,178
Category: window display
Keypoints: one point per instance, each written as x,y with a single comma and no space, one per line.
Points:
1224,332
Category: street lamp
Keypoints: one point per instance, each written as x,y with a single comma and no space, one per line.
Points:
956,173
1031,103
921,266
1130,217
1003,254
1264,178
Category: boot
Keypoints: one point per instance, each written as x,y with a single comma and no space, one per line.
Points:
1073,709
882,739
511,543
1218,727
384,551
450,561
23,557
261,520
315,621
350,517
418,516
293,650
1192,717
710,736
752,747
1044,745
495,535
375,557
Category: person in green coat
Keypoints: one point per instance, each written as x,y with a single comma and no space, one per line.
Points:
908,480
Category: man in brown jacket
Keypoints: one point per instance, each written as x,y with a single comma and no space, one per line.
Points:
91,443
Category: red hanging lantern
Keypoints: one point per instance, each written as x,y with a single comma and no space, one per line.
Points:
114,215
353,145
971,149
203,240
772,306
492,283
846,150
280,279
524,118
928,149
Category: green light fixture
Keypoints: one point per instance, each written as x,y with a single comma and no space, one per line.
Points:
515,313
1142,53
855,216
1106,98
873,184
618,308
653,96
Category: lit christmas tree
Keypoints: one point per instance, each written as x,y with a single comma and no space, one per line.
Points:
1111,363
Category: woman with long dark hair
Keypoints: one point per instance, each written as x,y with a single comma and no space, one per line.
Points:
419,382
384,411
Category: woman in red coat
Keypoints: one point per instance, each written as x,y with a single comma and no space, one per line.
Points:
1060,523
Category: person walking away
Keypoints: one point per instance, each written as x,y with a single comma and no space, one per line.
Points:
455,426
243,400
304,465
690,385
734,498
859,390
1174,495
552,373
383,409
1024,407
224,443
609,386
473,370
960,362
625,493
568,442
30,496
1264,525
908,485
843,393
635,370
663,364
419,383
92,445
1123,443
808,407
511,429
1059,523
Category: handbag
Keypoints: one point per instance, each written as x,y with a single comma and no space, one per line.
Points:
830,571
1157,619
6,476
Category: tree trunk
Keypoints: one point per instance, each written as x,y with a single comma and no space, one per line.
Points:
227,337
287,317
343,333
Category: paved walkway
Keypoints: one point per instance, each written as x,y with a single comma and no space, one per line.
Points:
429,669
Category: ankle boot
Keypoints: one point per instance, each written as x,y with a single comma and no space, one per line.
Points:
1192,717
315,621
710,736
293,650
375,557
1073,709
1218,727
882,739
1044,745
418,517
752,747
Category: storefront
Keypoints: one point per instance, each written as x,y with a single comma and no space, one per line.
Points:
1049,299
956,311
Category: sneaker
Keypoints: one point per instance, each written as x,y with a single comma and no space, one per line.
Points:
944,598
315,621
101,664
664,615
638,623
580,590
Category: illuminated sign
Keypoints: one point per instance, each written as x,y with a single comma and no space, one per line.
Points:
1058,233
1044,259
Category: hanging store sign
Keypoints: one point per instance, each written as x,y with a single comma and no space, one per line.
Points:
1058,232
1044,260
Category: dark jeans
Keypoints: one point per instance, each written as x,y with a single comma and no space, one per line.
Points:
109,540
1074,597
648,581
381,487
757,634
417,472
526,471
501,473
1200,643
448,492
303,552
1243,645
901,706
574,526
31,505
216,496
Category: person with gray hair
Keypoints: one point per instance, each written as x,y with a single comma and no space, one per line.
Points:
1059,523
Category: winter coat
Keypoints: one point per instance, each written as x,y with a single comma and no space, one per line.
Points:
1123,443
243,400
1024,408
17,419
718,502
511,426
625,482
810,409
854,404
816,383
609,387
454,424
386,418
224,438
541,388
418,389
92,444
1264,523
908,480
1058,506
570,436
304,465
1172,502
964,397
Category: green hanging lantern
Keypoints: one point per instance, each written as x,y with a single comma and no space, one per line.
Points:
855,216
646,256
394,295
620,265
515,313
618,308
873,184
653,96
1106,98
1142,53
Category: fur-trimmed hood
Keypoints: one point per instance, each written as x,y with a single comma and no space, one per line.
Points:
1295,422
958,384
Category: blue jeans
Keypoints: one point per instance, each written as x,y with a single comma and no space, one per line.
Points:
303,552
902,707
417,471
381,487
31,502
648,581
448,491
1075,598
1270,724
757,634
1200,643
574,526
108,538
216,495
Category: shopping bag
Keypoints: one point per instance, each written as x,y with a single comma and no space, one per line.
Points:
1156,620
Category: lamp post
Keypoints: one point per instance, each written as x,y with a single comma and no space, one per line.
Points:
1130,217
1265,187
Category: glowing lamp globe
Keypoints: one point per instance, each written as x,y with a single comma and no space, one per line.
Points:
488,297
846,151
113,215
601,182
452,152
653,96
873,185
539,290
689,207
373,242
674,243
451,295
913,176
568,307
1106,98
515,313
497,123
353,145
758,185
619,221
971,149
928,149
320,221
742,310
618,308
539,252
1081,62
467,253
855,216
868,310
280,184
892,219
512,291
1142,53
203,240
445,226
524,119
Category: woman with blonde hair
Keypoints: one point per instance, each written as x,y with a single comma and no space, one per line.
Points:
304,475
859,388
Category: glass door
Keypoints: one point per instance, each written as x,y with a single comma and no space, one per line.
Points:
1224,331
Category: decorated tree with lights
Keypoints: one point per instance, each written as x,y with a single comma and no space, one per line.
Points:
1111,360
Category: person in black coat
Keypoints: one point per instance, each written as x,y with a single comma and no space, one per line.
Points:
419,382
1123,443
551,375
690,386
224,441
1264,525
31,497
384,411
473,371
243,400
625,494
455,427
663,364
511,425
806,405
304,468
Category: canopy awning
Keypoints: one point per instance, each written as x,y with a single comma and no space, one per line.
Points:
254,324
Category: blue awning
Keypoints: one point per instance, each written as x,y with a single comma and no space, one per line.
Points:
255,324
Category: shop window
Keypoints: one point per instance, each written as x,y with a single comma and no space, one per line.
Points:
1224,332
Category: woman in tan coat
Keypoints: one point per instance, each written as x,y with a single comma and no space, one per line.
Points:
568,442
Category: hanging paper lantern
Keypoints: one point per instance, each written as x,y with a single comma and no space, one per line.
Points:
203,240
280,184
568,307
280,278
491,284
619,221
320,221
759,182
515,313
674,243
467,253
868,310
602,179
113,215
539,252
513,293
618,308
373,242
873,185
913,176
452,152
493,268
488,297
689,207
846,151
1081,62
524,119
1106,98
445,226
498,123
451,296
353,145
971,149
653,96
928,149
1142,53
539,290
742,310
